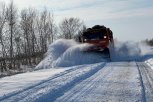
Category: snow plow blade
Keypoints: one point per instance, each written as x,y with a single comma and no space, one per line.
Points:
105,53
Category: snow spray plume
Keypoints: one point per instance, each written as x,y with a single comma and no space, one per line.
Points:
146,51
76,55
55,50
129,51
65,53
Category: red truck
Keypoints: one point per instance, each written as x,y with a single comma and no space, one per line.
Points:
100,38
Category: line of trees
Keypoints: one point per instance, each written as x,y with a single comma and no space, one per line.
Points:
24,36
149,42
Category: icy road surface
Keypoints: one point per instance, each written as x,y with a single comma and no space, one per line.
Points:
113,82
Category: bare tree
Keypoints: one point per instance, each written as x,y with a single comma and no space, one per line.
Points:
45,25
24,40
11,19
2,24
77,36
69,27
28,24
51,28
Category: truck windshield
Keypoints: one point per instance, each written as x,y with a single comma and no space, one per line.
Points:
94,35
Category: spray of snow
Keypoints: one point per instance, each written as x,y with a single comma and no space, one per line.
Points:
125,51
128,51
65,53
76,55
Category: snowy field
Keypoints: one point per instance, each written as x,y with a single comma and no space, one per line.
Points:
68,74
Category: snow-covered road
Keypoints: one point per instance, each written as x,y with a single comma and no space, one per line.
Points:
112,81
115,82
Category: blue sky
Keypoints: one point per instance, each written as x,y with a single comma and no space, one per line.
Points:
128,19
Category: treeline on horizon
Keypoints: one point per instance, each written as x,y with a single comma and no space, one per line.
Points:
149,42
25,35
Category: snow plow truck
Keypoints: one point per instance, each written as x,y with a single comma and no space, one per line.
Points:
100,39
